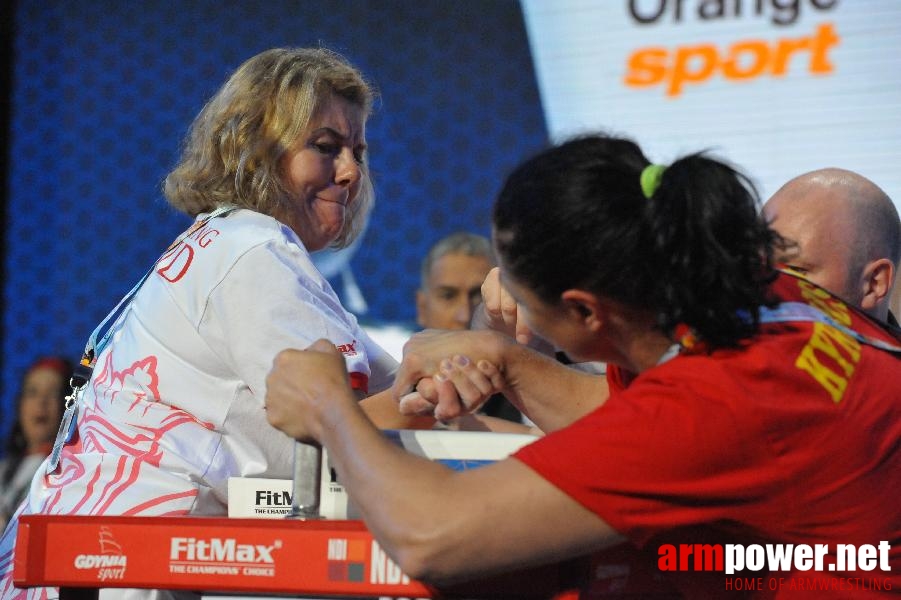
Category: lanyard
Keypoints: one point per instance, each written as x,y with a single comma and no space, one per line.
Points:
83,370
787,312
798,311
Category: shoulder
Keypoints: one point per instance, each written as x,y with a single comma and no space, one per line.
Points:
250,228
248,237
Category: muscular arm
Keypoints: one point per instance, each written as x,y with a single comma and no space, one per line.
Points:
439,525
551,394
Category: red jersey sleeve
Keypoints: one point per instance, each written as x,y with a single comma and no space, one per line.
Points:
750,436
654,457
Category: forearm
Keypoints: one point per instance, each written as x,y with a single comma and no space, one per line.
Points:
382,410
481,321
433,521
479,422
551,394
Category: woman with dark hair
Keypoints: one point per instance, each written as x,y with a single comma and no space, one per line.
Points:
746,406
39,406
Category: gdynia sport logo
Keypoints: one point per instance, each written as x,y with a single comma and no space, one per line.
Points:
746,562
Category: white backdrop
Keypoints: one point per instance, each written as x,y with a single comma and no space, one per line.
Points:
777,91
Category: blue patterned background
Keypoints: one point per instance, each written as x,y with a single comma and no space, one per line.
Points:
102,93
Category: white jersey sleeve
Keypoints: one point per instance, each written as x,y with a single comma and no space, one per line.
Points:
271,299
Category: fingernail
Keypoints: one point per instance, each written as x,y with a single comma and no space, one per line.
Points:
461,361
438,377
484,365
446,365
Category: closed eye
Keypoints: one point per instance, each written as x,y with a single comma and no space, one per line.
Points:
327,148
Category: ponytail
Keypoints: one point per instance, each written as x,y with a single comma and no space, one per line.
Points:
695,252
713,250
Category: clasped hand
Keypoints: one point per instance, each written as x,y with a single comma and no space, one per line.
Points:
448,373
435,378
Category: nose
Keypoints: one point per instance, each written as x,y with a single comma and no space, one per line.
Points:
347,170
464,310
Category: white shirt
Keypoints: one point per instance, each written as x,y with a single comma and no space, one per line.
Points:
175,404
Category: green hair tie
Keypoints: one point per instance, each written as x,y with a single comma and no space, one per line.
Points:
650,179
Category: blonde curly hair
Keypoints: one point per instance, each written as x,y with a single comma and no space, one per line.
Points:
231,154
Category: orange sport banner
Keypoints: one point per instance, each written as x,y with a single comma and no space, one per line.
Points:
779,87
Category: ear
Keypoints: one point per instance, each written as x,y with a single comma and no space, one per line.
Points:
585,307
877,283
420,307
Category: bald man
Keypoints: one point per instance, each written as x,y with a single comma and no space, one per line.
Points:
846,236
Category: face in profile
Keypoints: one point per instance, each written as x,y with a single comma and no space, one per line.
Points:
562,324
323,173
452,291
40,407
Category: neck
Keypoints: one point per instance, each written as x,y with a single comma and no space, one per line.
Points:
646,351
639,343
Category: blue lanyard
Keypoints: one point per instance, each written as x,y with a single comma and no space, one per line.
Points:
798,311
788,312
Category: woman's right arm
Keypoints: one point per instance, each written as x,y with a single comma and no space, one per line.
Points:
430,519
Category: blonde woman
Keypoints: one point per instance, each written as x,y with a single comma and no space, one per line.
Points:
274,167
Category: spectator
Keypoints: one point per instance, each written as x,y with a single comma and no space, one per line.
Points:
39,407
846,236
450,291
452,273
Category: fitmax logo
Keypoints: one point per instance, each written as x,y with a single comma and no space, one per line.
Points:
221,550
270,498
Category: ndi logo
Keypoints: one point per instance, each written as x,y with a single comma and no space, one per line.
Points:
346,560
110,563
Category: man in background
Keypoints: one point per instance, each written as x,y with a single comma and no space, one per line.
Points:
846,236
450,290
451,279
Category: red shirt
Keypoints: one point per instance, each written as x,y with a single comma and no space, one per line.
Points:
793,438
